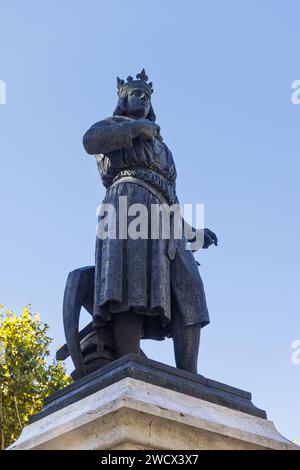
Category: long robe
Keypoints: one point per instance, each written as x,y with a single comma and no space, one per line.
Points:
138,274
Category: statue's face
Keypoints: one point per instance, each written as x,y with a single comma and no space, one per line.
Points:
138,103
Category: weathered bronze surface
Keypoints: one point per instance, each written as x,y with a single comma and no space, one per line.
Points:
139,288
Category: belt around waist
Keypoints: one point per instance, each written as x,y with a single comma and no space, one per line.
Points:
172,243
140,182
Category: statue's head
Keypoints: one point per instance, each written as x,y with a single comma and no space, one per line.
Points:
135,98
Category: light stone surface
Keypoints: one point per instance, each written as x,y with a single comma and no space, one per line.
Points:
132,414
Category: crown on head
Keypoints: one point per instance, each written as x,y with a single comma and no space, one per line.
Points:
141,82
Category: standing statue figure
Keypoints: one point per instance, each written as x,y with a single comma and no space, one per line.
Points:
143,287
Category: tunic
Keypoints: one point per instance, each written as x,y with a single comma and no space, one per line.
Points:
137,274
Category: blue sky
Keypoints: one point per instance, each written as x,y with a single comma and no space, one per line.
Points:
222,72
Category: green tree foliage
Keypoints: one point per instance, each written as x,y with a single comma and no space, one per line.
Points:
25,376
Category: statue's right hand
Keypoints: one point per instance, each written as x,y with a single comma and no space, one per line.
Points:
146,128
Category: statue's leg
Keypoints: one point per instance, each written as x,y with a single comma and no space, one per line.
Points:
186,341
127,328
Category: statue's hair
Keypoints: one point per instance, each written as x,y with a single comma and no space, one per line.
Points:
121,109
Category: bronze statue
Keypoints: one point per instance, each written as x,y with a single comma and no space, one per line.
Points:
141,287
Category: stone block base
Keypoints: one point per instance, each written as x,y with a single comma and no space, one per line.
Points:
121,411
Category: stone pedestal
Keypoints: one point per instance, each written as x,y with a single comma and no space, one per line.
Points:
137,403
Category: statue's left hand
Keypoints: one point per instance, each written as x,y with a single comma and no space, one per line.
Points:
210,238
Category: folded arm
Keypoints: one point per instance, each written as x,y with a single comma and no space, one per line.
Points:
108,135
